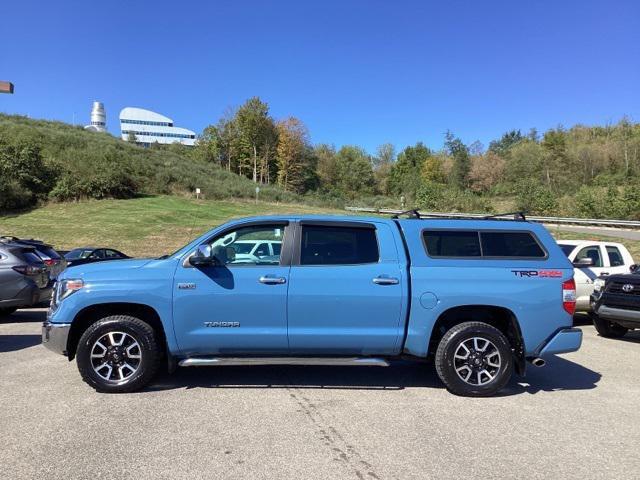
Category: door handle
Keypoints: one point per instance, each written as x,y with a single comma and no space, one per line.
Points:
604,273
382,280
267,280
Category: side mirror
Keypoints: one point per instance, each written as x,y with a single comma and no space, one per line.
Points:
202,257
634,268
583,262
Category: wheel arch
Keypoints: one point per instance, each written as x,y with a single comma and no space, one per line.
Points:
497,316
91,314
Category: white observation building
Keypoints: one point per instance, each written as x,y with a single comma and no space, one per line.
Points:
151,127
98,118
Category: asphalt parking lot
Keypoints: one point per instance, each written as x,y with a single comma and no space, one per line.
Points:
578,417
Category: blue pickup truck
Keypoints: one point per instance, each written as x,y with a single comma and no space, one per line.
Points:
480,297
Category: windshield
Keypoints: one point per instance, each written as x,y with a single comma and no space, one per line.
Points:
77,253
567,249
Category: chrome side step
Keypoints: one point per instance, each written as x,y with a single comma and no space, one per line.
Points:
327,361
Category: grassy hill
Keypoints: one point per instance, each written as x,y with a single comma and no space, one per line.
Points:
42,160
149,226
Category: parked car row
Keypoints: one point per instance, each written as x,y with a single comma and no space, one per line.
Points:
28,269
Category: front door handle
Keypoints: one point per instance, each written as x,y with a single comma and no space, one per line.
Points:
382,280
268,280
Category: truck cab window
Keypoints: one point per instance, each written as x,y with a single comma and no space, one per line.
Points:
249,245
324,245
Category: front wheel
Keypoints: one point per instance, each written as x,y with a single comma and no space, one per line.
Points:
474,359
118,354
608,329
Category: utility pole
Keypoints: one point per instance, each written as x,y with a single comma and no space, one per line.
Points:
6,87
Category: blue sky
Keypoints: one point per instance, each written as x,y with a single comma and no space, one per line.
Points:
356,72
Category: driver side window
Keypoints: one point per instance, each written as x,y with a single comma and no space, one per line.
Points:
593,252
249,245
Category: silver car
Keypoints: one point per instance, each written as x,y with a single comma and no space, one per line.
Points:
25,280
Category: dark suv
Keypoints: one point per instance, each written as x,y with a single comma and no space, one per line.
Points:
616,304
25,280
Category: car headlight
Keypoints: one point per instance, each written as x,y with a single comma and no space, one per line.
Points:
68,286
598,284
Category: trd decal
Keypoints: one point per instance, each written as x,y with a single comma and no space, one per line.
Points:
538,273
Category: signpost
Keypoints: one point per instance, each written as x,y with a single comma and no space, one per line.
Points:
197,193
257,192
6,87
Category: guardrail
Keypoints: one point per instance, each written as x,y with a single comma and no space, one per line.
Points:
594,222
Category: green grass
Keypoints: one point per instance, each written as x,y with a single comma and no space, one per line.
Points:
149,226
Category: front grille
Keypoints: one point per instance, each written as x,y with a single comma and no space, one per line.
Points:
616,287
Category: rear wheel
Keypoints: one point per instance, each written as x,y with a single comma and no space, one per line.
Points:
118,354
608,329
474,359
6,311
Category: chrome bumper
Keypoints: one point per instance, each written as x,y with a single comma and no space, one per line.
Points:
564,341
55,335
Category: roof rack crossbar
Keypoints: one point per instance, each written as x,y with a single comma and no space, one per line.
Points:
410,213
516,215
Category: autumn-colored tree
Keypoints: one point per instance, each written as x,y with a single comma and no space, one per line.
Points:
486,171
290,153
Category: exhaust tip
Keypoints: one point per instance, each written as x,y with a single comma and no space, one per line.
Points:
538,362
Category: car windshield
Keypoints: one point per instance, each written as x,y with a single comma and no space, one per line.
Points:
78,253
567,249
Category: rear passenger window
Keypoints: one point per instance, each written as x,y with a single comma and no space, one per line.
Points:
452,243
615,257
477,244
338,245
510,244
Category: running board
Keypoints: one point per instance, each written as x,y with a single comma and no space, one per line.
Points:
325,361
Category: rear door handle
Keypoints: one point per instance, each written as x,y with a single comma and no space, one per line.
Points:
269,280
382,280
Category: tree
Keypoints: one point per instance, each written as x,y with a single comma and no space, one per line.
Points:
327,166
257,138
382,163
501,147
486,171
404,178
291,154
461,162
355,175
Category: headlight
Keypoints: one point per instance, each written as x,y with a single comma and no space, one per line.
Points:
598,284
68,286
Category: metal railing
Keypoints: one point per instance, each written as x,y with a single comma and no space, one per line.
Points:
594,222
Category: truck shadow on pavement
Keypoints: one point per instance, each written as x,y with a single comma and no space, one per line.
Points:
12,343
560,374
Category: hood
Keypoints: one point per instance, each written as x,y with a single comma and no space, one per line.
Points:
109,266
623,277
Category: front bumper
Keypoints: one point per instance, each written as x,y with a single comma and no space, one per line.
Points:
55,336
563,341
611,313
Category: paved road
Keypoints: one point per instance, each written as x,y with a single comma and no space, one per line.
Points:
576,418
610,232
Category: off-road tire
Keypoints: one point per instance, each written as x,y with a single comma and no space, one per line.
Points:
444,359
150,351
606,328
